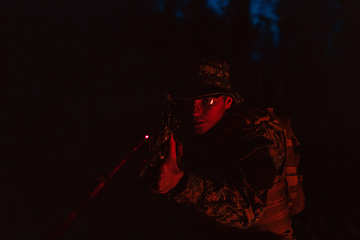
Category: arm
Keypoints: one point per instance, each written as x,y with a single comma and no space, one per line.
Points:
236,201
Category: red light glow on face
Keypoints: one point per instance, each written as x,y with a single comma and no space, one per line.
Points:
146,136
207,112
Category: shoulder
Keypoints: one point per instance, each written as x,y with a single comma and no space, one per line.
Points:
256,131
248,127
260,148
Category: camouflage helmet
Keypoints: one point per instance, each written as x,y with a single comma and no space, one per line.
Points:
208,78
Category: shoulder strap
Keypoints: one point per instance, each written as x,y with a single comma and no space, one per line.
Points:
293,179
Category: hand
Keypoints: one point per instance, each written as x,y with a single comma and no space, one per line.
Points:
169,172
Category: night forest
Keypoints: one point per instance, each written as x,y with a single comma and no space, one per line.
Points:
81,81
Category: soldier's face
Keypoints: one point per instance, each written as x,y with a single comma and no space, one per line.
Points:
206,112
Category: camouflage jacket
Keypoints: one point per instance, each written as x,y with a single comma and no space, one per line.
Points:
229,170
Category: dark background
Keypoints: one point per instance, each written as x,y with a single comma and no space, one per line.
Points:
80,80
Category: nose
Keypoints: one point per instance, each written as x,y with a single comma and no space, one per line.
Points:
196,109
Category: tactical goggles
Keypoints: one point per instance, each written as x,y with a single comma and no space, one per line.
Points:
202,103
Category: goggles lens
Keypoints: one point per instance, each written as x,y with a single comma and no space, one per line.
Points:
203,103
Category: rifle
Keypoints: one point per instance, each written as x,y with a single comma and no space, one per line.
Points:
158,147
158,140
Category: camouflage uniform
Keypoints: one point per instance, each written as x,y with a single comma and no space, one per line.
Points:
228,173
235,170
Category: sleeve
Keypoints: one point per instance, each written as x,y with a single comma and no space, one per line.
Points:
234,201
239,199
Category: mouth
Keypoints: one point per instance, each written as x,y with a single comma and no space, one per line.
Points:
197,123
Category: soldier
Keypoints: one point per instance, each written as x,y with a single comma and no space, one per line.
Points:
230,166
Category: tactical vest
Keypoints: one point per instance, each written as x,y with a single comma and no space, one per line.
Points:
286,197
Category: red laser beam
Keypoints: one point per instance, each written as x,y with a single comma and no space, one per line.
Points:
70,218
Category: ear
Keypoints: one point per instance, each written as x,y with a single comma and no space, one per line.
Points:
228,102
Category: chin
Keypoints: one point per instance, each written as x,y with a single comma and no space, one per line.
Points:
200,130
